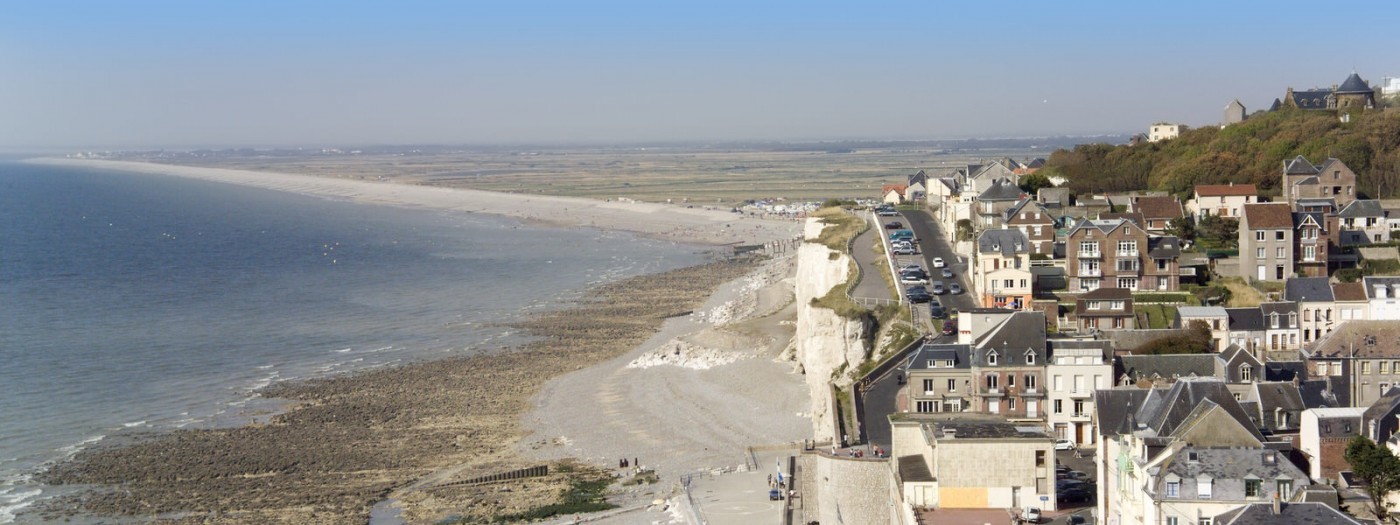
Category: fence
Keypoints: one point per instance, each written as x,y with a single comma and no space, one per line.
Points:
695,515
531,472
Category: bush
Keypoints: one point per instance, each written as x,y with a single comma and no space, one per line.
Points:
1161,297
1348,275
1196,340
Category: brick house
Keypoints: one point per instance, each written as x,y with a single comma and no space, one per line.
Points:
1266,242
1332,179
1221,200
1105,309
1117,253
1035,222
1008,368
1157,212
1313,243
1001,275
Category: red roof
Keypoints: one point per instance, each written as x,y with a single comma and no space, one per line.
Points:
893,187
1271,215
1226,190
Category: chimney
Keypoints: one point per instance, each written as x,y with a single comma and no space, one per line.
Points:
1278,505
950,433
1380,291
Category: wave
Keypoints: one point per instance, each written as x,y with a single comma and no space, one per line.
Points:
14,500
135,424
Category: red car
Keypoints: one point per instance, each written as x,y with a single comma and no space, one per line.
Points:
950,327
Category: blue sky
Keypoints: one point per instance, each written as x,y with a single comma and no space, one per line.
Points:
179,74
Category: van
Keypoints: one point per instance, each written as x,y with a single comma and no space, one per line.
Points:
902,235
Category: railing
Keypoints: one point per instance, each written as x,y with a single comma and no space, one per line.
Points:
1083,272
1090,255
1132,253
695,514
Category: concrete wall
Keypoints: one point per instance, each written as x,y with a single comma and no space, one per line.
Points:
988,474
856,491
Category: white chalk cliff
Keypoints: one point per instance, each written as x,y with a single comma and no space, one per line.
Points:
825,341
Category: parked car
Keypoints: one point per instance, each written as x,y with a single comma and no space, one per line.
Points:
910,267
1030,515
950,327
905,249
947,273
955,288
775,494
1070,484
1078,476
1074,495
937,288
902,235
894,225
911,278
886,212
917,294
936,311
1062,470
938,262
1063,444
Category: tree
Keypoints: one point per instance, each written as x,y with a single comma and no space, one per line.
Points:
1376,467
965,230
1196,340
1219,233
1184,228
1034,182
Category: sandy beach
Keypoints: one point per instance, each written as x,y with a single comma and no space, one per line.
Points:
666,221
680,371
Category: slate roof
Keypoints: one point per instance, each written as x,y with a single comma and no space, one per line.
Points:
1163,247
1365,339
1362,208
1245,319
919,178
1030,206
1235,464
1022,332
1285,370
1299,165
960,354
1317,202
1226,190
1103,225
1300,218
1166,408
1310,513
1354,84
1158,207
1309,289
1001,190
1281,308
1275,397
1332,391
1196,312
1007,241
951,183
1313,99
1270,215
1036,163
1115,409
1170,366
1344,292
1383,407
1388,282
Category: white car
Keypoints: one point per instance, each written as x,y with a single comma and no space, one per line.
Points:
938,262
1030,515
1064,444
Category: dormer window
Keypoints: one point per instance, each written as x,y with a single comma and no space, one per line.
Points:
992,358
1030,357
948,364
1246,373
1273,320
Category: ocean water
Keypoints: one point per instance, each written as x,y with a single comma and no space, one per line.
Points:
134,302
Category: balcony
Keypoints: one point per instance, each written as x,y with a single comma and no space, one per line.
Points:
1033,392
1127,253
1086,272
993,391
1091,255
1133,271
1079,416
1081,394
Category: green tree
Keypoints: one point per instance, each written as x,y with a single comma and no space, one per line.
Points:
1196,340
1375,466
965,230
1184,228
1034,182
1218,233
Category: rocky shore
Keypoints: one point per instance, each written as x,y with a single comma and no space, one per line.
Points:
350,441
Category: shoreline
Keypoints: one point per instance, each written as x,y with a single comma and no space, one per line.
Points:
661,221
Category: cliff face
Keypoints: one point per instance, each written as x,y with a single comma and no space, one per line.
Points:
826,342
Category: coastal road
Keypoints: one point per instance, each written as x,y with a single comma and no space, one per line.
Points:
932,244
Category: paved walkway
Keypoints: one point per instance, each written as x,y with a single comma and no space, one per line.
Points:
872,285
740,498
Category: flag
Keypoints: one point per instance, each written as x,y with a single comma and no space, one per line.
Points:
779,463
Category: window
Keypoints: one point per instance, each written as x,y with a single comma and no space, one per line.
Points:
1079,408
1040,458
992,358
1011,403
1246,373
1259,253
1204,521
1023,283
1030,360
1173,489
952,385
1307,315
1203,489
992,381
1285,489
1059,381
1259,235
1089,249
1128,283
1116,305
1059,406
1278,252
1093,305
1088,285
1171,520
948,363
1309,253
928,386
925,407
1278,235
1384,367
1127,248
1128,265
1251,488
1365,367
1010,381
1030,381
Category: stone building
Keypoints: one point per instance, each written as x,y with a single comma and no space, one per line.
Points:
971,461
1117,253
1330,180
1234,113
1352,93
1035,222
1365,353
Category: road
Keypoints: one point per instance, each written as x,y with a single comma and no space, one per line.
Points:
871,285
932,244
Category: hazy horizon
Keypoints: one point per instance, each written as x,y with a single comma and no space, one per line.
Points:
92,76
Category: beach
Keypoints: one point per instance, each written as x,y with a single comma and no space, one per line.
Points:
679,371
680,223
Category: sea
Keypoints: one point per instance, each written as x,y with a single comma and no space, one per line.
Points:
134,303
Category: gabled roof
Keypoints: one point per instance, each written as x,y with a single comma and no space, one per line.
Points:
1388,282
1007,241
1362,208
951,183
1301,219
1299,165
1164,413
1036,163
1309,513
1245,319
1001,190
1031,206
886,189
1309,289
1270,215
1279,395
1330,391
1167,207
919,178
1116,408
1384,406
1170,366
939,353
1106,294
1103,225
1163,247
1018,334
1226,190
1354,84
1365,339
1283,308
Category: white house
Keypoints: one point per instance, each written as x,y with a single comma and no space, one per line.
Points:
1384,295
1076,369
1222,200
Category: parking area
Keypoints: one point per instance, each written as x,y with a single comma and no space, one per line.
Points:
942,270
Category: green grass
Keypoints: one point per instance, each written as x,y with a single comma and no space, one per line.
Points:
584,494
1158,315
841,228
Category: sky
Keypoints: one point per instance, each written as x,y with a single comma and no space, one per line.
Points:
180,74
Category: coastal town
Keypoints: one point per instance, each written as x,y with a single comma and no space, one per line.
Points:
1231,355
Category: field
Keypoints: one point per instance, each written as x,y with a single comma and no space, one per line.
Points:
706,176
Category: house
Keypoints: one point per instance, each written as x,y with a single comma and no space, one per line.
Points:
1056,197
1246,328
940,378
1239,366
1383,294
1281,328
995,201
1315,304
1221,200
1332,179
1323,436
1312,513
1366,218
1351,93
1358,350
1105,308
1034,221
1382,419
1313,243
1001,275
1266,242
1117,253
1164,131
1165,369
1276,407
1234,113
1077,368
976,178
1186,454
917,189
1008,368
1351,300
972,461
1158,212
1215,318
893,193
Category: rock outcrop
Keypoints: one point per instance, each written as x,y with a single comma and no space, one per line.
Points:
826,341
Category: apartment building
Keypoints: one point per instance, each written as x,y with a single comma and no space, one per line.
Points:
1266,242
1077,368
1001,275
1117,253
1221,200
